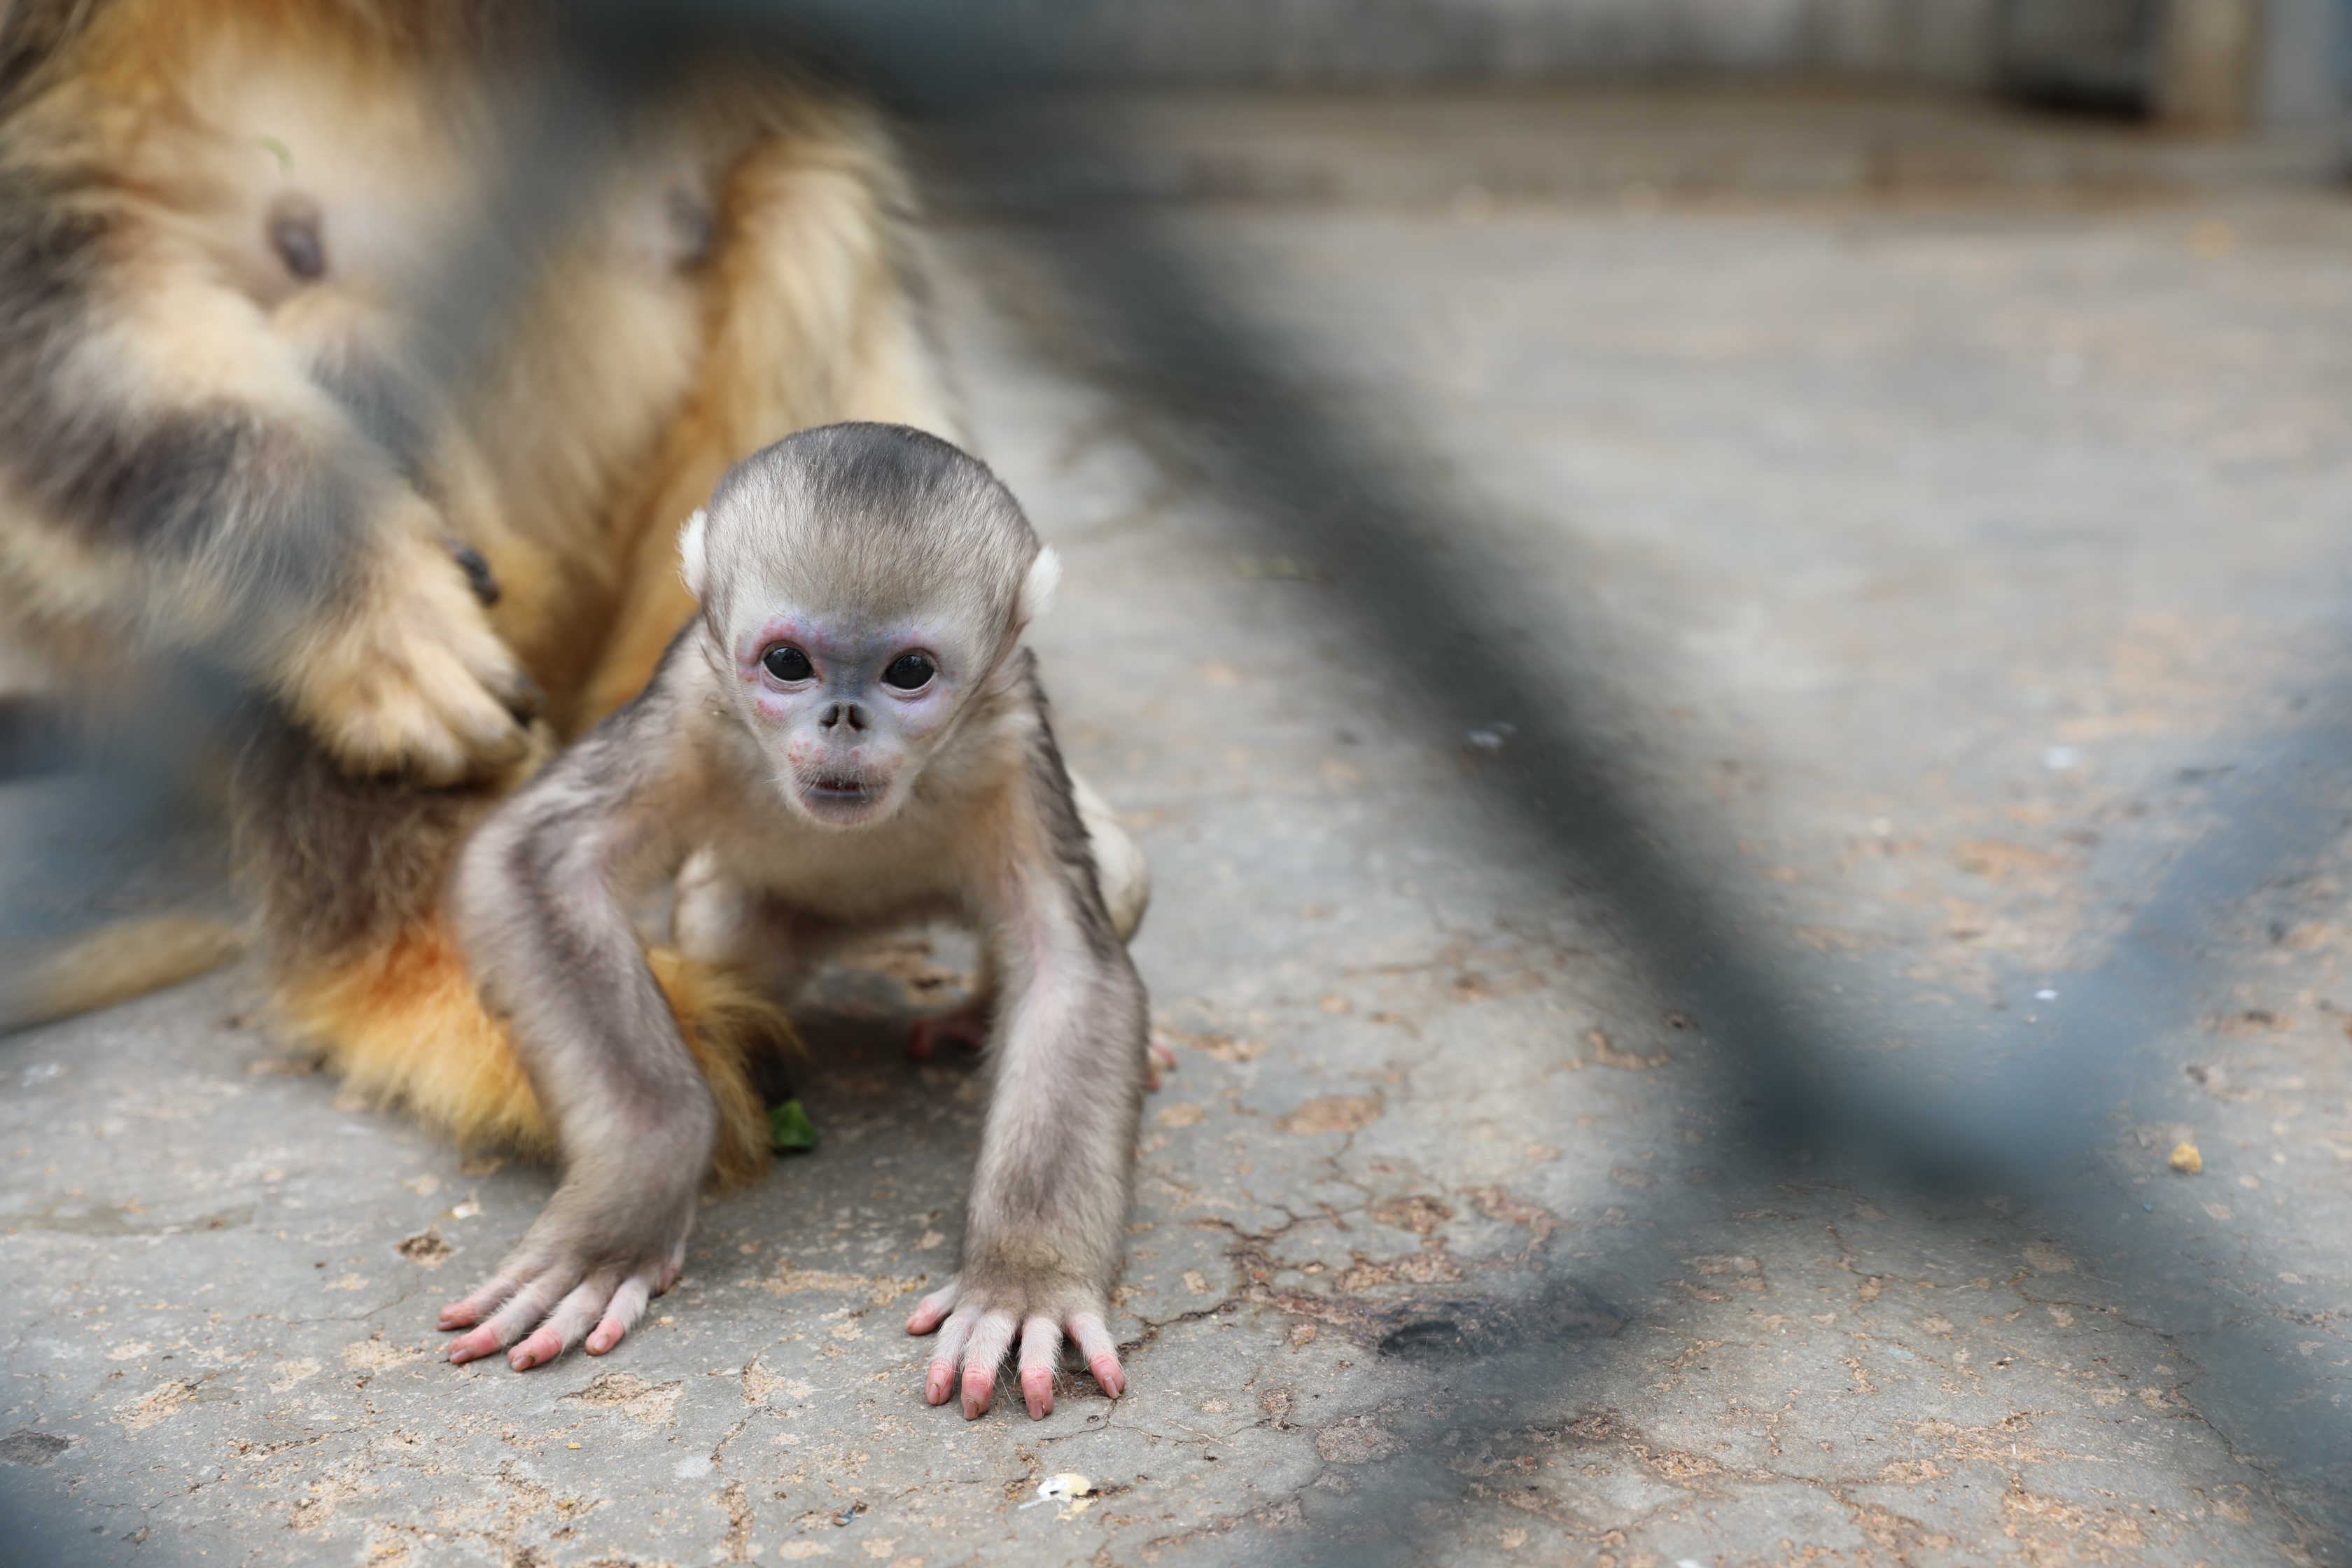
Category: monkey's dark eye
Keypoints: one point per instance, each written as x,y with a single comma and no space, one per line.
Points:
909,672
788,664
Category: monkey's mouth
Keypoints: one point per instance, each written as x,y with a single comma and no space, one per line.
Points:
839,798
838,789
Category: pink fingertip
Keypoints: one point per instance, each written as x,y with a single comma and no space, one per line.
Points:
541,1347
1109,1373
930,1313
937,1385
470,1310
608,1333
1037,1390
473,1346
979,1394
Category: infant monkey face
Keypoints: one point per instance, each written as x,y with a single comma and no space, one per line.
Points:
847,709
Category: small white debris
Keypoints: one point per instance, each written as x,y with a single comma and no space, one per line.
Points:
1882,828
2058,759
1491,737
695,1464
1072,1491
2045,995
41,1072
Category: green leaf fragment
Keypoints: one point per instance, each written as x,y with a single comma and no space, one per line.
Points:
788,1126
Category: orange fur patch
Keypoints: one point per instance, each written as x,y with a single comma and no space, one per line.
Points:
405,1026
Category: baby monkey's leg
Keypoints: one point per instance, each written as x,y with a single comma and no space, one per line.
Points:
967,1026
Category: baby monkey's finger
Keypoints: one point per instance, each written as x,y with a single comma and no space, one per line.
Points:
1041,1348
523,1311
932,1310
485,1300
940,1380
563,1327
991,1338
1100,1350
621,1314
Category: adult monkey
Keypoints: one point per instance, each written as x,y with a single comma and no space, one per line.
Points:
848,739
226,441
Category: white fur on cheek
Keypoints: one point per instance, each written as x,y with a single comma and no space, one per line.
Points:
693,563
1037,591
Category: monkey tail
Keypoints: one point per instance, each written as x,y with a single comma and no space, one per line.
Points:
97,968
405,1025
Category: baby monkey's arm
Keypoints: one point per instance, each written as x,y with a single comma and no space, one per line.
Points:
540,899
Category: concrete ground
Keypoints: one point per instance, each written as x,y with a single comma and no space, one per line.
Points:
1732,764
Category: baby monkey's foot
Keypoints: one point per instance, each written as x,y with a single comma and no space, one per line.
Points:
967,1027
979,1334
555,1307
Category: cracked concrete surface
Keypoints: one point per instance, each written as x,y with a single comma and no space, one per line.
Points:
1953,579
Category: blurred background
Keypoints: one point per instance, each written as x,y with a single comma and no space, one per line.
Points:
2204,63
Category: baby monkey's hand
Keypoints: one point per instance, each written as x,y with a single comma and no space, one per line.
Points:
568,1279
981,1319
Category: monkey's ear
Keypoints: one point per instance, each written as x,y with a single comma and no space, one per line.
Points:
1037,589
692,563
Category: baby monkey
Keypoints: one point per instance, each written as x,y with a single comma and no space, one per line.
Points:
849,738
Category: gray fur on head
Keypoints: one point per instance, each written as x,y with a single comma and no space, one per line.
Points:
881,516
